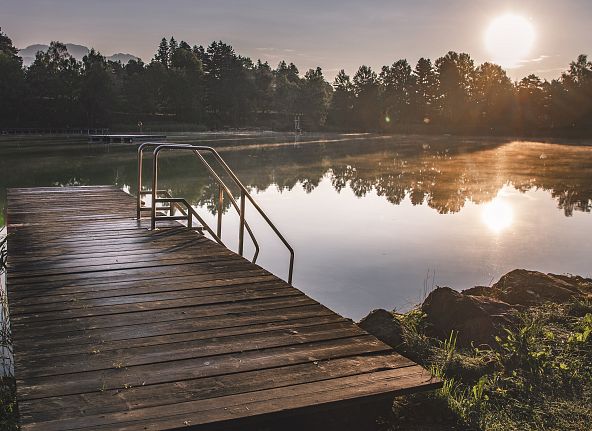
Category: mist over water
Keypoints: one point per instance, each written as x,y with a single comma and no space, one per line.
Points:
374,220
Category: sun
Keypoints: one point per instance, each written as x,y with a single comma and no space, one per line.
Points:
509,39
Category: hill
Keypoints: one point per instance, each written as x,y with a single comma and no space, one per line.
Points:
77,51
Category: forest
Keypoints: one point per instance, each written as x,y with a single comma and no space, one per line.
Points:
213,87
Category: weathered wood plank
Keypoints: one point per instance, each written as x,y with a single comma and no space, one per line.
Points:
119,327
252,403
173,335
180,347
242,322
55,408
50,328
75,297
195,367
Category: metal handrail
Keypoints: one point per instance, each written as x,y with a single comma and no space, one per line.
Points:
221,184
244,194
225,189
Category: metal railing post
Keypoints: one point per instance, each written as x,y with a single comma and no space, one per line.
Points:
291,270
220,208
139,197
241,229
154,188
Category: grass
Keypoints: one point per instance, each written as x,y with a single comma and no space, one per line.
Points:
538,376
8,411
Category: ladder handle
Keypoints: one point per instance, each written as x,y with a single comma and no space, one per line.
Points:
159,146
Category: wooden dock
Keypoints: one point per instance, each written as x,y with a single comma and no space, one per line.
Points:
129,138
117,327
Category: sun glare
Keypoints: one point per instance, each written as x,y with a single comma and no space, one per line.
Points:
509,39
497,215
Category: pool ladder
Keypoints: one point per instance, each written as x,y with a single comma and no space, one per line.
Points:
162,202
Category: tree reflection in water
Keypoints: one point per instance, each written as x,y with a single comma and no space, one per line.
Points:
442,172
443,176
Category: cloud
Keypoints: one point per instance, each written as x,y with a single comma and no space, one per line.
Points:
527,61
273,49
535,60
547,71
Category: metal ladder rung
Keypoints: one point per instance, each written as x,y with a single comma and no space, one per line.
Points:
170,218
157,208
149,192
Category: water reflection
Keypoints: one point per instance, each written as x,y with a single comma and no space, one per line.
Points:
497,215
444,179
443,173
369,215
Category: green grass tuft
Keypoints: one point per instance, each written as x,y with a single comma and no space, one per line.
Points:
538,376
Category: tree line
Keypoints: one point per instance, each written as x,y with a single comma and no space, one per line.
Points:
215,87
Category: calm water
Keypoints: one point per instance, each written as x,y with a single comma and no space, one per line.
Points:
374,221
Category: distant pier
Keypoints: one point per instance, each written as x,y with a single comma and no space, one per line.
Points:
128,139
53,131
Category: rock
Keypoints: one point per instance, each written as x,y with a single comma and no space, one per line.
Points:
533,288
384,326
478,314
528,288
476,319
479,291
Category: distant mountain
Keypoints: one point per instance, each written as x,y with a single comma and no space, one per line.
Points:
123,58
77,51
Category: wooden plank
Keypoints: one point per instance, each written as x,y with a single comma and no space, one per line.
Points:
76,295
187,250
141,397
110,264
31,329
185,323
173,335
97,310
210,291
74,290
220,257
119,327
195,367
182,346
158,274
250,404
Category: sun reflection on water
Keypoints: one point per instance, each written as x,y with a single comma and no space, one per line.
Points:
497,215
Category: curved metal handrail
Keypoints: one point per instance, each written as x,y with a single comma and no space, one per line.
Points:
169,199
196,149
233,202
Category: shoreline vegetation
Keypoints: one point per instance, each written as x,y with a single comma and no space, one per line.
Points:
514,355
214,88
8,408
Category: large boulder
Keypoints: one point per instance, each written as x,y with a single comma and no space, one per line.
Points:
523,287
384,326
476,319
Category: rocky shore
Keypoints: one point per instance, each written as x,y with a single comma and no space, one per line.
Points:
514,355
477,315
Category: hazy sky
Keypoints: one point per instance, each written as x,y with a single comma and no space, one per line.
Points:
330,34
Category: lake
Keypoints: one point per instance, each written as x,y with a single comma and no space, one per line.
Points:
375,221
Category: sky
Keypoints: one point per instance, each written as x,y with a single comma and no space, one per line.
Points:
335,35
